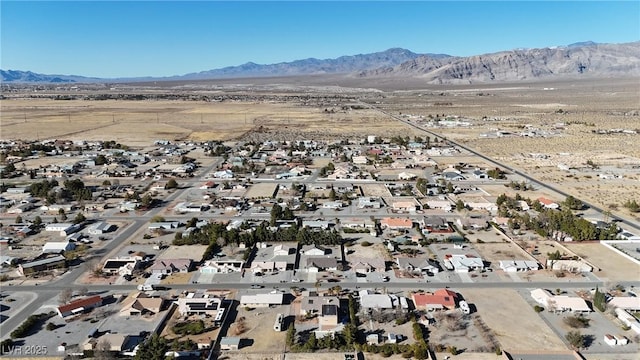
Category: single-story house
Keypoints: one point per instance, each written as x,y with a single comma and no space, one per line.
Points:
79,306
199,303
121,266
548,203
367,265
560,303
262,300
418,265
101,228
51,263
140,304
438,300
222,266
463,263
312,304
230,343
313,250
370,301
625,302
396,223
518,265
268,266
315,264
170,266
57,247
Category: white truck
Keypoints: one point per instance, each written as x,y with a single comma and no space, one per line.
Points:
145,287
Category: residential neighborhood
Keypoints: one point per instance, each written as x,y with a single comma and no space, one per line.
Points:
363,245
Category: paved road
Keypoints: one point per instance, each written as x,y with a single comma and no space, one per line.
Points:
532,179
55,288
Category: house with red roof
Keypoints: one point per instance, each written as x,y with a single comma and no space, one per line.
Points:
442,299
396,223
548,203
79,306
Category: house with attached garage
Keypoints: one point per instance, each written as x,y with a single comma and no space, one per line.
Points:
313,250
518,265
463,263
316,264
222,266
371,301
141,304
367,265
170,266
560,303
417,265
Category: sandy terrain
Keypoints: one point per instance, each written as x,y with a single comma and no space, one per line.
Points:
259,329
261,190
376,190
172,120
614,267
528,333
579,108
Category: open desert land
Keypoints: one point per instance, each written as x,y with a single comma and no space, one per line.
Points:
567,117
137,123
529,333
614,267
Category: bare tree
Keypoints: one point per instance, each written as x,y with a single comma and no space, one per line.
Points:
83,291
65,296
103,351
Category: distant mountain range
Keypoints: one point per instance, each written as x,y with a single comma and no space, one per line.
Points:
579,59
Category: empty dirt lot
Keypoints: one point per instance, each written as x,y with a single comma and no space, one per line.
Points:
529,332
614,267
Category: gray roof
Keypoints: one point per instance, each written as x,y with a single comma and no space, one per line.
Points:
227,340
43,261
322,262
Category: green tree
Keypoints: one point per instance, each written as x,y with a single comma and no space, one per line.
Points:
422,185
312,342
157,218
152,349
496,173
79,218
450,188
291,335
460,205
171,184
101,160
146,201
575,339
18,219
276,214
332,194
632,205
573,203
599,300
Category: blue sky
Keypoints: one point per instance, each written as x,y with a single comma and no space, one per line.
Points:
163,38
